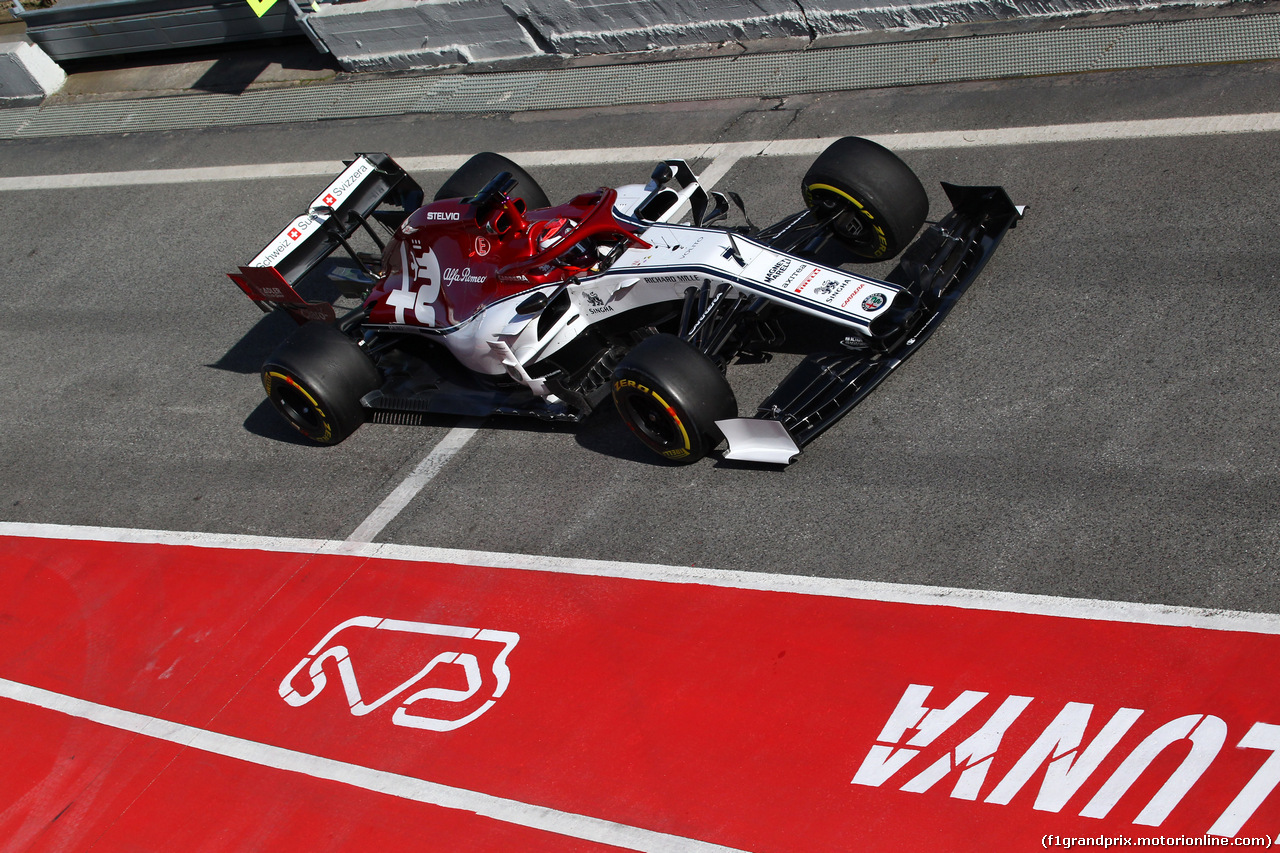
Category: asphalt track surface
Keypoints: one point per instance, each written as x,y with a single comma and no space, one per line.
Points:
1096,420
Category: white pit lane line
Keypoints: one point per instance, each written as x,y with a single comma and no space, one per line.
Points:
378,781
943,139
896,593
408,489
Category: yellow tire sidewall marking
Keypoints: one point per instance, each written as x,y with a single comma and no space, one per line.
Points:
882,238
324,419
674,453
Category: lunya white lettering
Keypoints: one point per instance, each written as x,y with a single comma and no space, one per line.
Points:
1068,761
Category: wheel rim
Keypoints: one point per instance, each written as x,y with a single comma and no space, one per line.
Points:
299,407
656,423
850,220
651,420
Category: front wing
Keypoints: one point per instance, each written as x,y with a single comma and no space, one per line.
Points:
938,267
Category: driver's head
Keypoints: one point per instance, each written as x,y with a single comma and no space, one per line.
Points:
550,232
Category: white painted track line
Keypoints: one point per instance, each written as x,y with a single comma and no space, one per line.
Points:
945,139
966,599
378,781
408,489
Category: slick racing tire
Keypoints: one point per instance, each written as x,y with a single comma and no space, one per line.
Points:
671,396
315,379
878,202
480,169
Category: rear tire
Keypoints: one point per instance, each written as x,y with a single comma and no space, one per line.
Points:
472,176
878,202
315,380
671,396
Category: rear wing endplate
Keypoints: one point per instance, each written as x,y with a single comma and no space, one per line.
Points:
346,205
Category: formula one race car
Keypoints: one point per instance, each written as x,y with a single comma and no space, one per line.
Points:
490,300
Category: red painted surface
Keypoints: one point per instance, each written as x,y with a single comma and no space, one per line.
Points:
735,717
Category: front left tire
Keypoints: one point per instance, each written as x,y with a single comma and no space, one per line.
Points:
671,395
480,169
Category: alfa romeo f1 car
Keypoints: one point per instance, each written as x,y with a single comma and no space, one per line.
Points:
491,300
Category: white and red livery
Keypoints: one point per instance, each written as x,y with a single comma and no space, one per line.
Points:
489,299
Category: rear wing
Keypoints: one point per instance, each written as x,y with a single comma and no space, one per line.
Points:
345,206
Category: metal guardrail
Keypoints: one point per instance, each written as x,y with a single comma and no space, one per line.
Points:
72,30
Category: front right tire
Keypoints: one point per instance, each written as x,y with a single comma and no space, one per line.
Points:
877,204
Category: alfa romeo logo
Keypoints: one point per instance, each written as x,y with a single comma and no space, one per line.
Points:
874,302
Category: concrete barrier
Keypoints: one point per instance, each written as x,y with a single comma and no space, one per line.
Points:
27,74
401,34
405,34
599,26
841,17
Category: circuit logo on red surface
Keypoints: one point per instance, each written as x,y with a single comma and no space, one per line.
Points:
395,658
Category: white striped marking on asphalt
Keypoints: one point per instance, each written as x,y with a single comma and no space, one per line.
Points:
967,599
943,139
377,781
408,489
